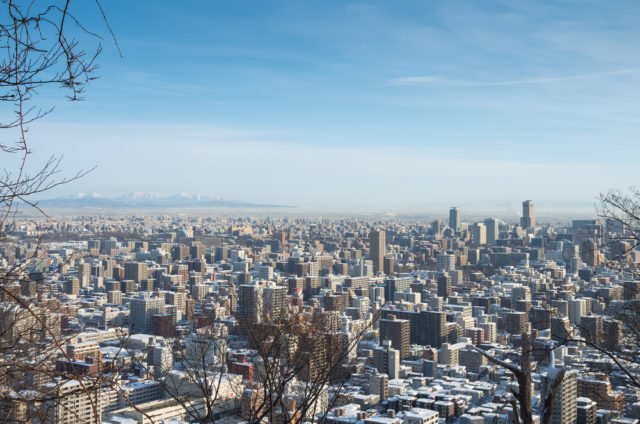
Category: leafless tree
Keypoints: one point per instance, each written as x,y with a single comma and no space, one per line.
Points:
522,402
41,47
199,381
40,42
620,210
298,356
295,353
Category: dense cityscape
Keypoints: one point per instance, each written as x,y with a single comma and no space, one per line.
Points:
324,219
148,319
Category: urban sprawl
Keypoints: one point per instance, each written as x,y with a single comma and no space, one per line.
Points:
358,320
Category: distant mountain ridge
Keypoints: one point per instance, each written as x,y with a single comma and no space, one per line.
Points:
138,199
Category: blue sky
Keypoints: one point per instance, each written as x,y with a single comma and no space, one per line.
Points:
372,104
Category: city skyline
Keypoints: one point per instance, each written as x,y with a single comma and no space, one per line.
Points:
337,212
200,204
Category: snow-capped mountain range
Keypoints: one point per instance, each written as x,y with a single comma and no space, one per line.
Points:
138,199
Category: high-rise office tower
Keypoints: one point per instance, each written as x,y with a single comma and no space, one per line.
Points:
136,271
179,252
445,262
84,274
560,327
108,246
249,303
444,286
107,266
196,250
493,230
577,309
396,330
590,252
540,318
612,331
454,219
178,299
527,220
432,327
97,270
142,310
516,322
396,284
388,265
437,226
93,245
274,300
569,250
376,249
591,328
479,234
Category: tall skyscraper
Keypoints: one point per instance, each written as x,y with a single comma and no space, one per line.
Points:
142,310
396,330
250,303
527,220
432,327
454,219
479,234
577,309
612,332
274,300
493,230
516,322
377,243
560,327
445,262
591,328
444,286
84,274
590,252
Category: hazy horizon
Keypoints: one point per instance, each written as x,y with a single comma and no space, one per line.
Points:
508,212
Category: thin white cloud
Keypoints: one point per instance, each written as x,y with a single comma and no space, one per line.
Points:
431,79
413,80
